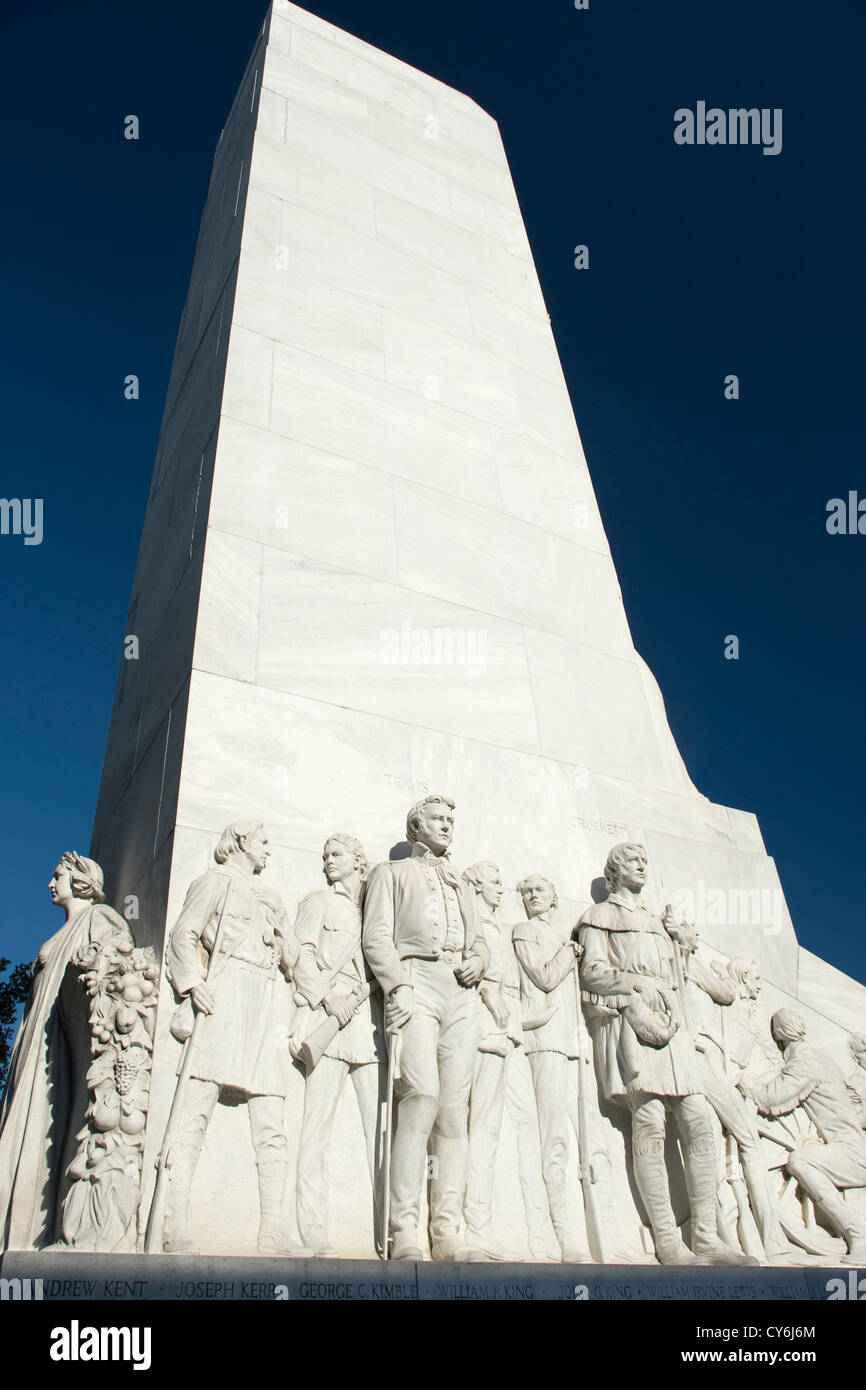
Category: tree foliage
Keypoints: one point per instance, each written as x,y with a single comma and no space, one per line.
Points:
14,991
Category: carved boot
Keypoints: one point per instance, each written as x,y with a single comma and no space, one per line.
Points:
177,1239
570,1250
700,1167
273,1237
842,1217
777,1247
652,1181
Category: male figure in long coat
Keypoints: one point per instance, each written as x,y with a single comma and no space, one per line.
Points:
646,1059
247,1005
420,936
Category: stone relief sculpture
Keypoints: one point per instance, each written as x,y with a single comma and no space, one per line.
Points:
503,1079
547,955
824,1171
338,1030
420,936
483,1017
856,1082
121,982
46,1095
646,1059
711,993
241,1006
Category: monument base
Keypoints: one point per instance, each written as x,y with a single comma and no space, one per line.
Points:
80,1277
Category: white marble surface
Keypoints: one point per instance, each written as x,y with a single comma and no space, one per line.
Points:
396,446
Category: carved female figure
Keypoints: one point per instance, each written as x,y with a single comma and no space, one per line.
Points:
46,1094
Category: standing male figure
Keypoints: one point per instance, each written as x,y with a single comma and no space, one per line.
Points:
721,1042
247,1005
420,937
546,955
502,1078
813,1080
646,1059
331,981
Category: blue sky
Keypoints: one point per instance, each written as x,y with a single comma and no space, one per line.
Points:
703,261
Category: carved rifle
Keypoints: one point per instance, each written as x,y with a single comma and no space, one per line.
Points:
394,1037
593,1214
747,1230
313,1048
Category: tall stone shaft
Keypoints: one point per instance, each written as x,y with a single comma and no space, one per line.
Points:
372,562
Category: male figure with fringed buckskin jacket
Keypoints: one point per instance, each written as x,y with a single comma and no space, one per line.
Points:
646,1059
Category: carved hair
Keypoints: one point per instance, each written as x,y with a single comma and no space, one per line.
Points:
551,885
787,1026
616,862
741,966
856,1043
475,874
353,844
85,876
230,840
415,813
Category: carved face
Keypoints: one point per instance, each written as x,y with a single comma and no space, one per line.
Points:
491,885
257,849
60,887
538,895
632,874
435,826
340,862
752,983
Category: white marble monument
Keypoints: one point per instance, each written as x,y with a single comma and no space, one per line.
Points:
373,572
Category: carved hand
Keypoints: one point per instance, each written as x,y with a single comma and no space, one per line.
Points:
681,932
500,1014
470,972
202,999
341,1007
399,1008
652,997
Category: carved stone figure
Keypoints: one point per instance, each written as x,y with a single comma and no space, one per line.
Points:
502,1079
646,1059
713,991
336,1032
420,936
121,983
246,1005
812,1080
46,1094
856,1082
546,955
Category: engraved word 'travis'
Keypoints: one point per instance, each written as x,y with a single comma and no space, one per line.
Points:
736,126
